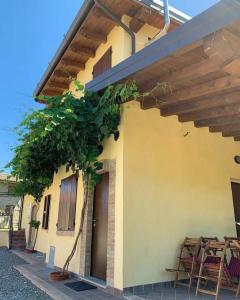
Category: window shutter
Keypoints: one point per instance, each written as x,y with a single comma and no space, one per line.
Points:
46,212
104,64
72,202
67,204
61,218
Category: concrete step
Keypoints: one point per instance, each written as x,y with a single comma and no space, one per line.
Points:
16,244
18,238
16,233
18,248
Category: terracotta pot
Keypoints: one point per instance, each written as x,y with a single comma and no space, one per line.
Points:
30,251
59,276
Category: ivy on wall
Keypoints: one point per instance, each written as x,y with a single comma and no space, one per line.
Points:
69,131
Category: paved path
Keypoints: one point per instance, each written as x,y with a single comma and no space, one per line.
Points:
38,273
13,286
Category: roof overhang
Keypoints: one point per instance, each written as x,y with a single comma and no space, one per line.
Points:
200,64
80,17
83,38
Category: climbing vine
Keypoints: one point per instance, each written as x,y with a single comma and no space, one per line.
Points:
69,131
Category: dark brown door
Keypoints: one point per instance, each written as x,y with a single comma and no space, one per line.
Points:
100,229
236,204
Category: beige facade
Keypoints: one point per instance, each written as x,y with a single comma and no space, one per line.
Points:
169,181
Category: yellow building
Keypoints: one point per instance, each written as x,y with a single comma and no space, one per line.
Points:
163,179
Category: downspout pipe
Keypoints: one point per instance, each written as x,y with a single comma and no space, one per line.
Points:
119,22
167,22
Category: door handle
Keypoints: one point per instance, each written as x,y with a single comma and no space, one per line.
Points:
94,223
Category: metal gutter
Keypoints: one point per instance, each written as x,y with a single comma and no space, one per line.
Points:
81,16
215,18
118,22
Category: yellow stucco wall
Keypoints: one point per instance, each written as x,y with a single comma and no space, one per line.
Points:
174,186
167,186
4,238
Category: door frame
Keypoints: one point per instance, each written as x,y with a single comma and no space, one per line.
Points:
237,181
86,238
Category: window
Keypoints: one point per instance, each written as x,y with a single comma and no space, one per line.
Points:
46,211
67,204
104,64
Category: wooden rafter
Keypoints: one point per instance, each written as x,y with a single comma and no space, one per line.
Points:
92,35
73,63
79,49
140,18
168,109
206,89
228,127
100,14
57,84
52,91
65,74
223,111
229,133
218,121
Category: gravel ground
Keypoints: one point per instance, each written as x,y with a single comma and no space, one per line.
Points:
13,286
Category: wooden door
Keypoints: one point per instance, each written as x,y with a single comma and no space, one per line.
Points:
100,229
32,231
236,204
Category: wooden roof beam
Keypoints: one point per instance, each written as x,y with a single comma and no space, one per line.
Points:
222,46
94,36
57,84
215,87
226,127
79,49
230,110
218,121
52,91
231,133
169,109
100,14
64,74
140,19
73,63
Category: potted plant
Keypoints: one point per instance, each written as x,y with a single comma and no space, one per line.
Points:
34,224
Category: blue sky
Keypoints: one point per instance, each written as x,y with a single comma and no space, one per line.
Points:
30,32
